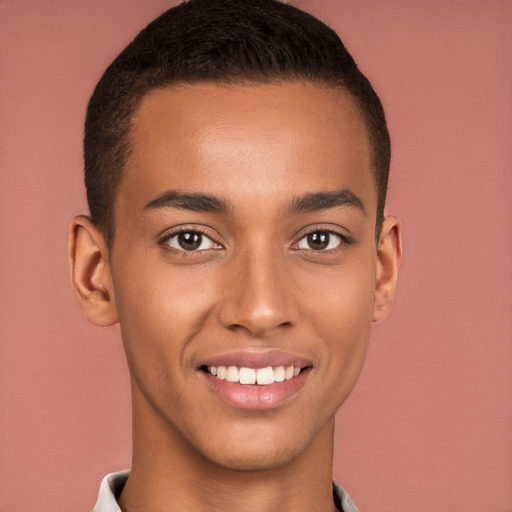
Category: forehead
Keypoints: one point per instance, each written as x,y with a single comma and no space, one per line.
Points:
273,139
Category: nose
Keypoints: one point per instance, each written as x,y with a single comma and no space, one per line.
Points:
258,295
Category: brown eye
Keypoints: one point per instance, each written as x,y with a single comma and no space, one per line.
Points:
320,241
190,241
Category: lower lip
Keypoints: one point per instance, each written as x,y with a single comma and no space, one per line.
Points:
247,396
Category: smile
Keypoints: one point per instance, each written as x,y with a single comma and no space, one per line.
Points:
256,380
254,376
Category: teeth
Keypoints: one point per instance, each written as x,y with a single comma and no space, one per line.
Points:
265,376
232,374
260,376
279,374
247,376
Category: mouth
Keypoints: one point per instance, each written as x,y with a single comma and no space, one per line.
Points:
253,376
257,381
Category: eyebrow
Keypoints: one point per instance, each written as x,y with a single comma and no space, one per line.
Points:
198,202
185,201
324,200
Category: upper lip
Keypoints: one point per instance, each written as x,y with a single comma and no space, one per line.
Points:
257,359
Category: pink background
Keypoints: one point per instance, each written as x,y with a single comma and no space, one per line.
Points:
429,425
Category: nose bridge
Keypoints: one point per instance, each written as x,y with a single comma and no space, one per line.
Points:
257,298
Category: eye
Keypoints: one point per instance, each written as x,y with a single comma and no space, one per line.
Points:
190,241
320,241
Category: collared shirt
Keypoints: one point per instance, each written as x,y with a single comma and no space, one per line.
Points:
113,484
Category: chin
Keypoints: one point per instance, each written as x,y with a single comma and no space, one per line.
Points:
257,449
255,459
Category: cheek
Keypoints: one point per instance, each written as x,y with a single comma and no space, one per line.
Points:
160,310
340,309
342,296
154,297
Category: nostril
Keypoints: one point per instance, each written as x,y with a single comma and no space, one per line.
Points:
257,329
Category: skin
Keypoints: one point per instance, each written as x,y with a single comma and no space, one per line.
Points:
257,285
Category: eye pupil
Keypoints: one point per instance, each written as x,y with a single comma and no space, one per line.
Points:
190,240
318,240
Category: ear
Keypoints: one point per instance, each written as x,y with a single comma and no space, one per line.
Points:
389,255
90,272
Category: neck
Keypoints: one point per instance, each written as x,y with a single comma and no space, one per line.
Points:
170,475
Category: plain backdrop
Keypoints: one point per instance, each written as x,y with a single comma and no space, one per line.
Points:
428,427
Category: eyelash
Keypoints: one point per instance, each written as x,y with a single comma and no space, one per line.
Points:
344,240
164,241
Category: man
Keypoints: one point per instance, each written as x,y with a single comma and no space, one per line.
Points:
236,165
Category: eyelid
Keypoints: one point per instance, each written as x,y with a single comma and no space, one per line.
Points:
333,238
168,234
346,239
204,240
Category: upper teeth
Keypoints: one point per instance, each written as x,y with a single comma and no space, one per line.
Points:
261,376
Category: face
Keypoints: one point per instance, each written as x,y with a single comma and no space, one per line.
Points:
244,265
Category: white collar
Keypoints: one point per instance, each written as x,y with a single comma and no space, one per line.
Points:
110,489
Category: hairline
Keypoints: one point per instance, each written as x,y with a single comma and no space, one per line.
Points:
126,140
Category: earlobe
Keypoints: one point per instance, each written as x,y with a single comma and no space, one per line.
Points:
90,272
389,255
